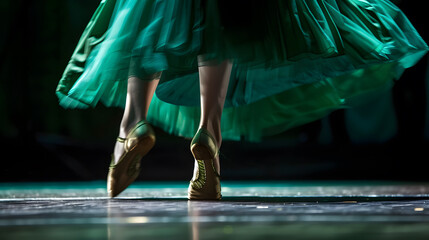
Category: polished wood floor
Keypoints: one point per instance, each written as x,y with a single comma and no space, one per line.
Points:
248,210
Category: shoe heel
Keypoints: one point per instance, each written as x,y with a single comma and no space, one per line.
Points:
203,145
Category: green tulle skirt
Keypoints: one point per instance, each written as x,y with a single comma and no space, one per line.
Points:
294,61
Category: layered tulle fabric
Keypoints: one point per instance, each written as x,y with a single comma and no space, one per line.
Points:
294,60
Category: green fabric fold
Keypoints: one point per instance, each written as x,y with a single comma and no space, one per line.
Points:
294,60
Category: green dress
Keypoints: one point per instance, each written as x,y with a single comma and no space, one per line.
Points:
294,61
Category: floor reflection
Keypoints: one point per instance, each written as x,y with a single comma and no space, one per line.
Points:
123,224
139,219
194,214
113,228
148,219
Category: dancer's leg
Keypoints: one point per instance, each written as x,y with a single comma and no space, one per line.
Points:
214,81
139,96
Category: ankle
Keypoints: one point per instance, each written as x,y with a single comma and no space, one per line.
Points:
127,124
214,130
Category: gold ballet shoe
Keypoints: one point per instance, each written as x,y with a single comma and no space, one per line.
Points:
205,184
137,144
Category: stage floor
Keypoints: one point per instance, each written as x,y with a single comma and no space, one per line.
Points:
248,210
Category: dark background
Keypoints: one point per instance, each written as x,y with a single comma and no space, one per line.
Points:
387,138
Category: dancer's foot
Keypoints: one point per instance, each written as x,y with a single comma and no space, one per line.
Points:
205,184
126,168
